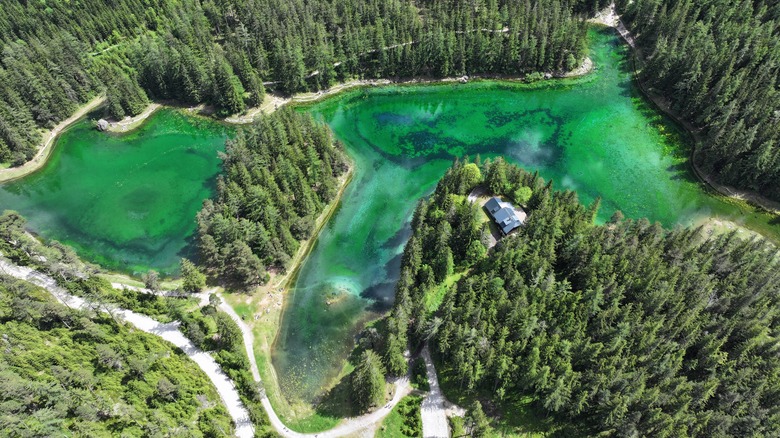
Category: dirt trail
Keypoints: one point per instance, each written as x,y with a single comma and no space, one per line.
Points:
169,332
433,409
48,139
609,17
347,427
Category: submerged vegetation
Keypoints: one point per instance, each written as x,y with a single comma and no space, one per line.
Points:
221,52
130,198
717,63
403,138
619,329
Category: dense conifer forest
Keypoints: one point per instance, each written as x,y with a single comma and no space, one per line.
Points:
57,54
278,176
620,329
718,65
715,61
98,337
67,372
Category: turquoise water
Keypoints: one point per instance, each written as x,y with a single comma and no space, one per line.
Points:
125,201
595,134
129,201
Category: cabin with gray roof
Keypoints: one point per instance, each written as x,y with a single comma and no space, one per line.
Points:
503,214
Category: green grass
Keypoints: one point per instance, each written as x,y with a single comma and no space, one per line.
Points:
457,427
434,298
336,404
243,310
404,420
480,201
312,424
516,417
300,418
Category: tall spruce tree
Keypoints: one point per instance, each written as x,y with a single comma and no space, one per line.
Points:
368,381
606,328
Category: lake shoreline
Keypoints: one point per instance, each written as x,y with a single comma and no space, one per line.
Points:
132,122
268,302
271,103
267,327
304,250
44,151
639,168
275,101
608,17
750,197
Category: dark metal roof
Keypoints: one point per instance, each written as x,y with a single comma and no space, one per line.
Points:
493,205
503,214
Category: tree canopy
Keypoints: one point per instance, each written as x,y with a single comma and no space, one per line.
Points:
70,372
368,381
717,63
56,55
620,329
278,176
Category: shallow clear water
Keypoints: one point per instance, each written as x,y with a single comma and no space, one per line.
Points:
594,134
125,201
129,201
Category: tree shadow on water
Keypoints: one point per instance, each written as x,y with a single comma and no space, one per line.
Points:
682,172
337,402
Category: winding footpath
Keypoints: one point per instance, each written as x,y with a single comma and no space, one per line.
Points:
169,332
224,386
433,412
42,155
347,427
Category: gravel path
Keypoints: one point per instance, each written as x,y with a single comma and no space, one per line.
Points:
48,139
347,427
433,410
225,387
476,193
169,332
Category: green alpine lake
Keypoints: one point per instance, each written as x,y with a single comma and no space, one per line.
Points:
595,134
124,201
128,201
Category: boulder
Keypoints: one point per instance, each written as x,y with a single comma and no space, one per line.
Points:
102,124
